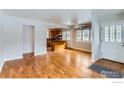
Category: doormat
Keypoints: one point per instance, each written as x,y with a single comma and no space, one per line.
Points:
106,72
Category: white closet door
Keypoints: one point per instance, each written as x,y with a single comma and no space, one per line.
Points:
28,38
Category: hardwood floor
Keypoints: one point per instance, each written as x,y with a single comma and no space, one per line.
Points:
115,66
62,64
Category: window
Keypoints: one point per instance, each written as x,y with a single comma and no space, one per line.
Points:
79,35
106,33
118,33
112,33
64,35
86,35
68,35
83,35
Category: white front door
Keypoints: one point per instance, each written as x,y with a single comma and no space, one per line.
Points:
112,41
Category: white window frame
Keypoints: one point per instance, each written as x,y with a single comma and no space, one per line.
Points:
112,33
66,35
118,39
79,34
86,35
106,33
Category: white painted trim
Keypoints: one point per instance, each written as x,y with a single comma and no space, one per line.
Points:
113,60
81,49
1,66
36,54
95,60
22,56
14,58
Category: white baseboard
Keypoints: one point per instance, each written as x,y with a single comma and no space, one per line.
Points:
6,59
95,60
80,49
40,53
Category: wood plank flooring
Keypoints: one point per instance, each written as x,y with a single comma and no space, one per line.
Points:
112,65
61,64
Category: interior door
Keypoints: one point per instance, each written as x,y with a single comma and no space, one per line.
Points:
112,41
28,39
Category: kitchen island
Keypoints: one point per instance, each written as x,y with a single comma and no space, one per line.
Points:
58,45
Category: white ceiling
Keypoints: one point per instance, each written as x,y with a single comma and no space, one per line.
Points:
61,16
58,16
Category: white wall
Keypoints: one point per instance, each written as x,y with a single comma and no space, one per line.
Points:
1,41
95,39
11,31
13,36
110,18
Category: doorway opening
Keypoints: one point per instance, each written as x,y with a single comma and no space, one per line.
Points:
54,39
